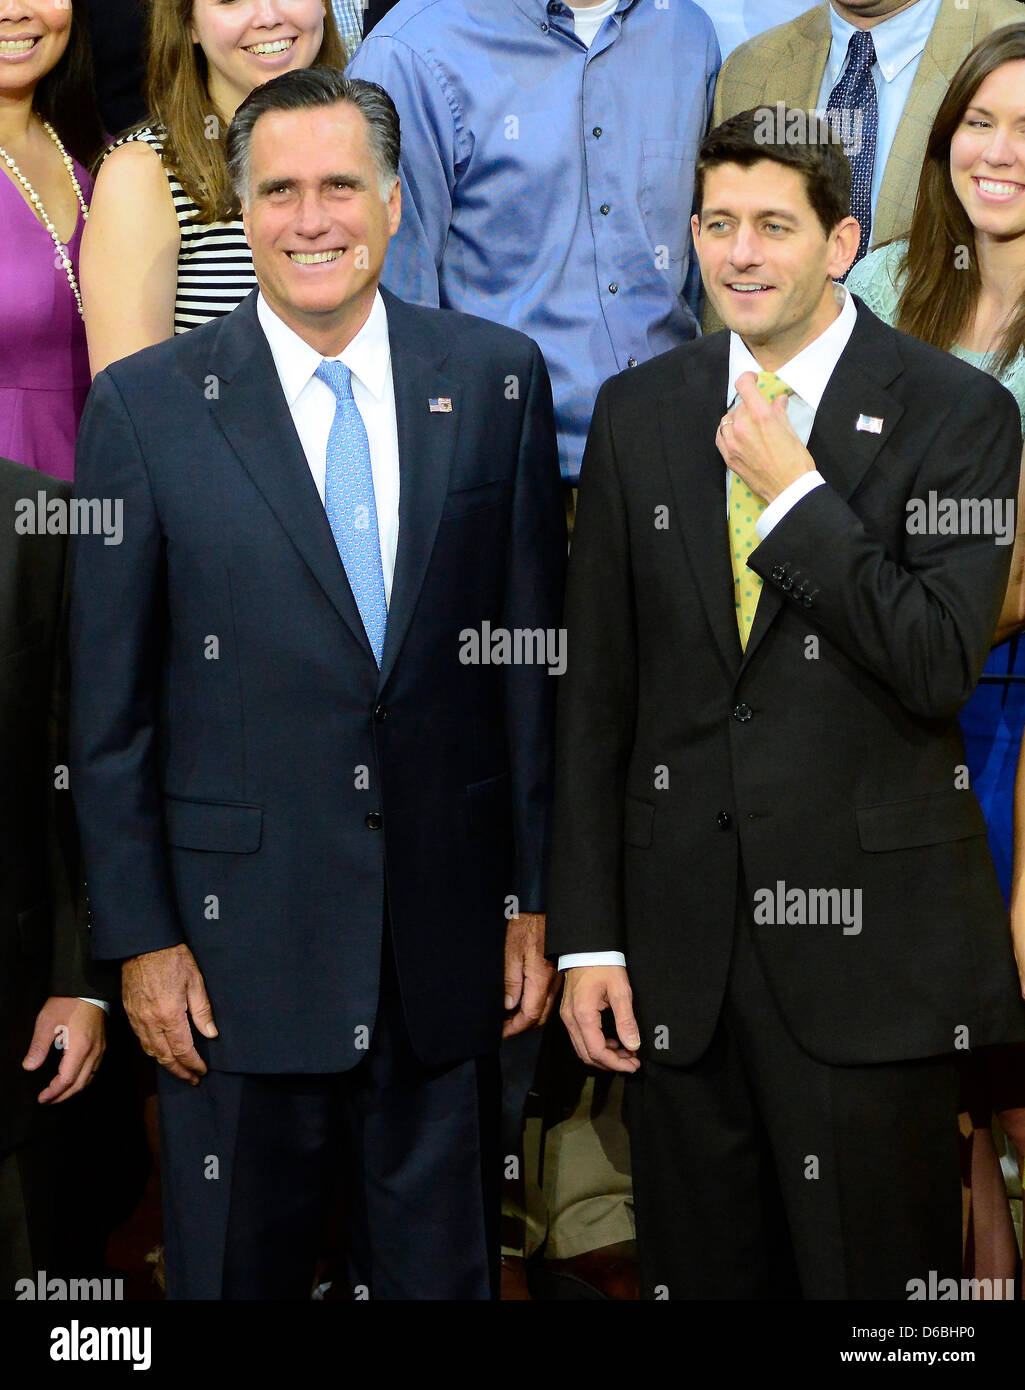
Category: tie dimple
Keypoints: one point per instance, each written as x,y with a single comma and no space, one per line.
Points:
855,104
351,505
745,509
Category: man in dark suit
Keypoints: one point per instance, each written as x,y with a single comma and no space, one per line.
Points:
51,999
311,777
763,835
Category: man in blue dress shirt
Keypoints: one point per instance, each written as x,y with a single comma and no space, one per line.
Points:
547,174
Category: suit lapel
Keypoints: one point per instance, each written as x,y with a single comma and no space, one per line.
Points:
843,453
251,410
427,444
688,419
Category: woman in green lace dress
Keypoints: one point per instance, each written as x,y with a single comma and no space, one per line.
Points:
958,281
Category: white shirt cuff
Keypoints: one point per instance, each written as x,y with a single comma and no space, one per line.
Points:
591,958
789,497
100,1003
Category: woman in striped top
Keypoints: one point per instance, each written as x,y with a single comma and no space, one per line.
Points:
164,249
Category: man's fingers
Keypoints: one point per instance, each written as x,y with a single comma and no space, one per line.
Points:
39,1047
513,979
199,1007
626,1025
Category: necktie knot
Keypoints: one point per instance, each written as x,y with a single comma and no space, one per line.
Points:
861,51
770,386
338,376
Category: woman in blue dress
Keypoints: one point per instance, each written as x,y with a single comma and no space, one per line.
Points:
958,282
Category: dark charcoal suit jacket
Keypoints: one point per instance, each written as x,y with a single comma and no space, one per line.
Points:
253,802
685,766
43,944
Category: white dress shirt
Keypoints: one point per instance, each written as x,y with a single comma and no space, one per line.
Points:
899,42
312,404
807,375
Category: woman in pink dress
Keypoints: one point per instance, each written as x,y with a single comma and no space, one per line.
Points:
49,133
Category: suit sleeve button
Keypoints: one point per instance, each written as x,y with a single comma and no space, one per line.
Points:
724,820
374,820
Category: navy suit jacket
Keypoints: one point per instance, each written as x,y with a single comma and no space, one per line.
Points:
246,779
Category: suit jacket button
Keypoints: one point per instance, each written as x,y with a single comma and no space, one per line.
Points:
373,821
787,584
742,713
380,714
724,820
778,573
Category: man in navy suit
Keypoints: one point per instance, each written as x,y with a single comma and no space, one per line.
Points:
313,697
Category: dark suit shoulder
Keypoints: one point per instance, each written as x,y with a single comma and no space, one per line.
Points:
669,371
17,480
942,378
465,335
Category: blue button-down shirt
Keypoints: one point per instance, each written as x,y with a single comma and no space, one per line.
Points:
547,185
899,43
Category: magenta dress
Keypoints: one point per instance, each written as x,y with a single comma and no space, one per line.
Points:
44,363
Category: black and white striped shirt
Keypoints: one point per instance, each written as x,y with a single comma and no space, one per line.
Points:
215,264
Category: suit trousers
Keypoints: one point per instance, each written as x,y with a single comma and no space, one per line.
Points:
762,1173
413,1152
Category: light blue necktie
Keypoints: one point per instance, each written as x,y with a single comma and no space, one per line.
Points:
854,100
351,505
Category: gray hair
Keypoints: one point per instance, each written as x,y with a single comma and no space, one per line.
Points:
306,89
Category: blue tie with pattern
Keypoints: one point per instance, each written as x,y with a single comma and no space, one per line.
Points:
351,505
857,119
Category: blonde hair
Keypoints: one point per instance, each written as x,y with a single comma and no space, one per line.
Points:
179,104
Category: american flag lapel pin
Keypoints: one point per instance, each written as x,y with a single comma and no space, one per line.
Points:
440,405
871,424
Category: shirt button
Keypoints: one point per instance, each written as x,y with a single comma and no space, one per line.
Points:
723,820
373,820
544,28
742,713
596,132
604,209
613,288
631,361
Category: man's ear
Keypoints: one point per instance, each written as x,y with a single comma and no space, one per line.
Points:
844,240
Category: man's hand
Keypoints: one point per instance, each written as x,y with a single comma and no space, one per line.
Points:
589,990
78,1030
758,442
160,989
531,980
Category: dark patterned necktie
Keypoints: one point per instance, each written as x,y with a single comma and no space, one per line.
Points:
854,101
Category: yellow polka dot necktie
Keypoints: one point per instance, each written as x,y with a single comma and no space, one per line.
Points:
745,509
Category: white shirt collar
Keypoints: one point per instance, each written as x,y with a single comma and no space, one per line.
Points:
808,373
367,356
897,40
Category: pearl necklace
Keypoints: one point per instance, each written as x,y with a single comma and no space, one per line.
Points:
62,251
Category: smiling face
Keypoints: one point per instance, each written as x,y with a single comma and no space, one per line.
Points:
33,37
987,154
250,41
316,222
766,262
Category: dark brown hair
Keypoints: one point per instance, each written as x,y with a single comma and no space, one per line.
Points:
66,95
176,90
789,136
938,295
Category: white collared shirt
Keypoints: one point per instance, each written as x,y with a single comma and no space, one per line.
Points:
807,375
312,405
